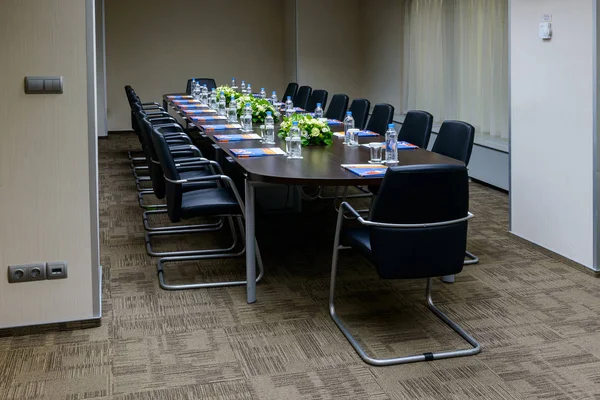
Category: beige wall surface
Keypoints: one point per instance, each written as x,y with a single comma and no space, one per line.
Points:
552,132
156,46
383,31
44,172
330,46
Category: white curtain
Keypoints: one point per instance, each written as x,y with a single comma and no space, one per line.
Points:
456,61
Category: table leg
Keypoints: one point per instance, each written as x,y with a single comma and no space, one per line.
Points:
250,245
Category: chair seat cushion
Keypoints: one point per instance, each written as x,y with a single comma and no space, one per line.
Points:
357,238
214,201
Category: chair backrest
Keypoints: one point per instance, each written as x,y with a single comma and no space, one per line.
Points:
209,82
317,96
155,170
420,194
337,107
416,128
291,90
173,190
360,111
382,116
455,140
302,96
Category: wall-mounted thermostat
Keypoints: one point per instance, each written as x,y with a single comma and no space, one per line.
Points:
546,27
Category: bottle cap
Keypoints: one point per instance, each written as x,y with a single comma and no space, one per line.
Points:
391,126
242,81
295,123
289,97
275,93
318,104
262,89
269,113
222,92
349,113
248,105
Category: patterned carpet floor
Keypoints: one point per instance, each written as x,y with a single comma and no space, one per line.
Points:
536,316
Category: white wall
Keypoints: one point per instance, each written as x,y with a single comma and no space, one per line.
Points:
156,51
330,46
44,162
552,127
383,50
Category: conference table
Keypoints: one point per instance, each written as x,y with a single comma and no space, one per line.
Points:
320,166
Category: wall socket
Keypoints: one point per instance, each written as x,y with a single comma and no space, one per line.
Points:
37,272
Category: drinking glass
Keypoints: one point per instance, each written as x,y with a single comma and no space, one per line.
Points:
376,152
352,137
262,133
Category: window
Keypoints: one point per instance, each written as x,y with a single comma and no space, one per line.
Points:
456,61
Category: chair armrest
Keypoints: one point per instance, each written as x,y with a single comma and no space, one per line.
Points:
348,207
199,162
180,137
423,225
188,148
152,103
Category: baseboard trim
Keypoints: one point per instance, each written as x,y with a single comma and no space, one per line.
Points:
558,257
53,327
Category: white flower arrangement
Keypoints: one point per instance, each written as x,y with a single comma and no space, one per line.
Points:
312,130
259,108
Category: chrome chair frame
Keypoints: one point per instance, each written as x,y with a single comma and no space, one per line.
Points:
476,347
209,254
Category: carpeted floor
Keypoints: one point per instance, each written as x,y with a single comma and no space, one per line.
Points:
537,318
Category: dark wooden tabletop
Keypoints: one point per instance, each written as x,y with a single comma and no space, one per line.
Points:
321,165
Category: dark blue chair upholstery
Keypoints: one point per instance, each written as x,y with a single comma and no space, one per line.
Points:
317,96
455,140
337,107
291,90
382,116
301,99
360,112
416,128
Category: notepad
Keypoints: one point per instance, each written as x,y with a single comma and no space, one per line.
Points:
189,101
221,127
193,106
200,111
366,170
236,137
401,145
360,134
334,122
258,152
211,118
178,97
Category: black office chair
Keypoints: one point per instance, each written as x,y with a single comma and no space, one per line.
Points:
317,96
290,91
209,82
301,99
455,140
221,200
429,241
337,107
416,128
382,116
360,112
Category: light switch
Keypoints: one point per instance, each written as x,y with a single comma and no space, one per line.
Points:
43,84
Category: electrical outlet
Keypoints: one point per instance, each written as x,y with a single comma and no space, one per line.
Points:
26,273
56,270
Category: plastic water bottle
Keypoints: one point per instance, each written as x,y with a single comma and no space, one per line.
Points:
222,107
212,103
196,90
204,94
348,124
243,87
318,111
391,145
263,94
269,129
248,89
295,142
247,118
274,98
232,111
233,84
289,107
